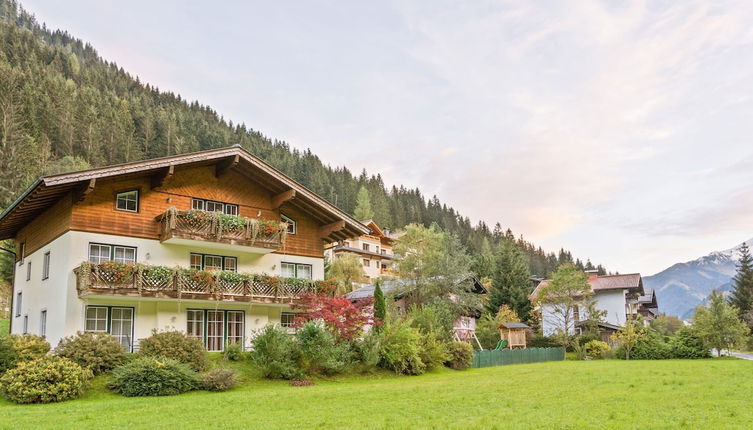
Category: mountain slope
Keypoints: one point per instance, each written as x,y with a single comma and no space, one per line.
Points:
683,286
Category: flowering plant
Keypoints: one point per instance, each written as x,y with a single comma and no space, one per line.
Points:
117,272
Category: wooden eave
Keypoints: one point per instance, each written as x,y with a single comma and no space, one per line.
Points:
46,191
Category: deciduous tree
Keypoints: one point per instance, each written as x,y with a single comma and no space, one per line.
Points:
719,324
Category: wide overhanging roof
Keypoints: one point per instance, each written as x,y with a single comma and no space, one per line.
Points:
47,190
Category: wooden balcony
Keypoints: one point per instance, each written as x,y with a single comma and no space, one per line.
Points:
216,230
116,279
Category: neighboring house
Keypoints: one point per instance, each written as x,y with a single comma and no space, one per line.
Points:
464,327
619,296
218,212
374,250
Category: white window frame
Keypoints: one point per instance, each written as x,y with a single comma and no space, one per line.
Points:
43,323
19,302
26,324
46,265
366,262
107,319
124,196
204,204
22,253
295,267
292,225
28,271
223,259
111,250
287,319
97,318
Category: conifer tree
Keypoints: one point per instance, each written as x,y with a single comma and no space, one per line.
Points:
742,294
363,210
380,307
511,282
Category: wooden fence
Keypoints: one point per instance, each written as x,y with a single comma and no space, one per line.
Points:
516,356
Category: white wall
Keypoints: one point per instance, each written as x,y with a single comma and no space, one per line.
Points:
65,310
611,301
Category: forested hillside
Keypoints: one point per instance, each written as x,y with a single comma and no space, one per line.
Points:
63,107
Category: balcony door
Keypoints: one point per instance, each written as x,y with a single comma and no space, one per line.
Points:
215,330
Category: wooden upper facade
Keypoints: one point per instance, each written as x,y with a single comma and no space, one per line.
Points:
86,200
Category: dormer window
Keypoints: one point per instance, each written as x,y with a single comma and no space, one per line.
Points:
127,201
290,222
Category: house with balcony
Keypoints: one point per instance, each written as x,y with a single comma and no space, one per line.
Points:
215,243
374,249
619,296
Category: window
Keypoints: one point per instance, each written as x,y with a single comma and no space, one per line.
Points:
576,313
287,319
213,262
116,320
43,323
216,328
384,252
26,324
28,271
127,201
46,266
366,262
213,206
19,296
21,253
96,319
99,253
294,270
365,246
124,254
291,223
235,327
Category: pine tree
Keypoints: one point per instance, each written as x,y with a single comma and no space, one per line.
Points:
363,210
742,294
510,280
380,307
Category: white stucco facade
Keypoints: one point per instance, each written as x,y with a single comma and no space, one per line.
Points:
65,311
613,302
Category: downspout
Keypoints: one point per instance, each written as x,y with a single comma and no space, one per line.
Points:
12,287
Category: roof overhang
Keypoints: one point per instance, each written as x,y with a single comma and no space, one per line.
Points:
47,190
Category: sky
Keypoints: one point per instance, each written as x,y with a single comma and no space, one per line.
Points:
618,130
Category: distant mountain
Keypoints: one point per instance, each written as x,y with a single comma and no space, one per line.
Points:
683,286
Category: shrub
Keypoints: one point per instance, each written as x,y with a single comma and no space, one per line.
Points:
650,347
588,337
597,349
276,353
541,341
367,351
460,355
400,349
153,376
437,317
29,347
234,352
687,344
7,354
433,352
157,274
219,379
97,352
45,380
175,345
318,351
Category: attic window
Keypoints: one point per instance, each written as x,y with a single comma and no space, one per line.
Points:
291,223
127,201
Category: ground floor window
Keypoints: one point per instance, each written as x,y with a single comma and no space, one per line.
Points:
115,320
216,328
287,319
43,323
296,270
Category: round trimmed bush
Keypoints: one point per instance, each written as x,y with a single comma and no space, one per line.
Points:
46,380
461,355
29,347
234,352
219,379
597,349
433,352
98,352
177,346
153,376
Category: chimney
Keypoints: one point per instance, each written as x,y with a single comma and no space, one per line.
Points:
592,274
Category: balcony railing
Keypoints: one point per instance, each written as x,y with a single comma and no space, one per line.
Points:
218,227
161,282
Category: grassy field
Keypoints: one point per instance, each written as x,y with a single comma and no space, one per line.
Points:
563,395
4,326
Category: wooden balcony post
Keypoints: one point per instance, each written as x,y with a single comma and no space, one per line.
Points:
176,284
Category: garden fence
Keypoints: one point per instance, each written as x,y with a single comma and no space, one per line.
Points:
516,356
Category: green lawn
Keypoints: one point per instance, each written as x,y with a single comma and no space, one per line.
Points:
4,326
566,395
